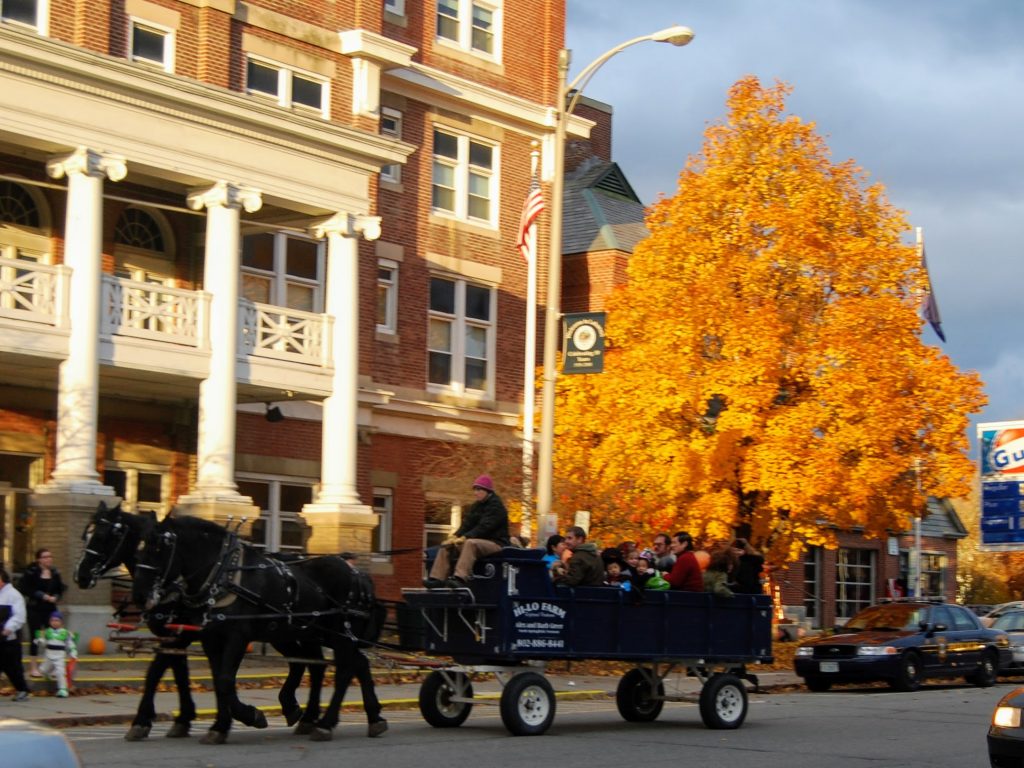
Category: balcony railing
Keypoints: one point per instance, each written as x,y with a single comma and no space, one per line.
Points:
34,293
154,312
38,294
284,334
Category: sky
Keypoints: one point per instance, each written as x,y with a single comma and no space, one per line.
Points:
927,96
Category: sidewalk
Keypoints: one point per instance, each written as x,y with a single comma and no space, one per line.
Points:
119,707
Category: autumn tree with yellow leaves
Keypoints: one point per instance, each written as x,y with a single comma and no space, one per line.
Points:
765,368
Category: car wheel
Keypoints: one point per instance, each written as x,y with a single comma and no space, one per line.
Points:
817,684
908,677
987,672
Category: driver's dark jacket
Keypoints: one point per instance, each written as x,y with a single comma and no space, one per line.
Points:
487,519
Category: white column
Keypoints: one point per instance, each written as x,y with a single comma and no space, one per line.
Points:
78,393
340,417
215,477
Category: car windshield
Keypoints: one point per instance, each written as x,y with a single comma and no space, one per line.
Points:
892,617
1010,622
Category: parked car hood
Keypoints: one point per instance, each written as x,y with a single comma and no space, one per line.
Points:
866,637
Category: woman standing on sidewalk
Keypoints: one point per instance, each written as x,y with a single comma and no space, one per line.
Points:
42,587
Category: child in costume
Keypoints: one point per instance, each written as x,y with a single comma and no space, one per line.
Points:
57,644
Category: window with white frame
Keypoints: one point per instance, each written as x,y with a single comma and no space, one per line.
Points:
473,25
151,44
855,580
812,583
460,342
284,270
142,487
441,518
32,13
287,86
465,178
387,296
396,7
391,126
933,572
280,527
383,506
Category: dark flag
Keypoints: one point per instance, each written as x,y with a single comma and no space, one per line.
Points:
931,306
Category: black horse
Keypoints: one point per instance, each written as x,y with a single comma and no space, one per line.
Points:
112,538
247,596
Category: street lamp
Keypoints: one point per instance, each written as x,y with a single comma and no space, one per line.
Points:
567,98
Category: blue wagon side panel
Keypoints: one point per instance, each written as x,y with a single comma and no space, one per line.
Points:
514,613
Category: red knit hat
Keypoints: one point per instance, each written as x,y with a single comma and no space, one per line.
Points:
485,482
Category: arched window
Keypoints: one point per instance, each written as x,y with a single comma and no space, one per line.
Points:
143,247
17,206
138,229
24,223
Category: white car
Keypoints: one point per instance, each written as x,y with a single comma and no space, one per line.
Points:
30,745
1000,609
1012,623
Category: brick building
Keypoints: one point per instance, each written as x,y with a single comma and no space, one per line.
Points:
218,213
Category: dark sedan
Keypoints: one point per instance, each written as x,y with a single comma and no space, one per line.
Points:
1005,734
902,643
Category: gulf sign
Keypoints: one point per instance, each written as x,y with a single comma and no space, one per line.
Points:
1002,448
1002,485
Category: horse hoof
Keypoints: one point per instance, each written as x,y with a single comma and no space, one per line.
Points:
260,720
304,728
321,734
177,731
292,716
137,733
374,730
214,737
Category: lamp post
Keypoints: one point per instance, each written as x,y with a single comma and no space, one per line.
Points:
566,100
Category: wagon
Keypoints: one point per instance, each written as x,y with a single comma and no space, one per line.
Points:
512,619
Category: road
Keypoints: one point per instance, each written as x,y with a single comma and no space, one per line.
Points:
939,727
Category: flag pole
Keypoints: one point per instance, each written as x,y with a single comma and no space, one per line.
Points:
530,365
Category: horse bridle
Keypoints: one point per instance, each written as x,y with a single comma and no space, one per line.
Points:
156,593
206,594
98,570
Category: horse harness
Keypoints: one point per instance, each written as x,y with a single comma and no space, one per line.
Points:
223,586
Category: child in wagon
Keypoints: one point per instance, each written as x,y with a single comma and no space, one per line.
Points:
57,645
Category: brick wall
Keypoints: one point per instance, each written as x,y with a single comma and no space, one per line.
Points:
791,578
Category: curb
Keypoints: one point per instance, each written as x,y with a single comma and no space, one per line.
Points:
73,721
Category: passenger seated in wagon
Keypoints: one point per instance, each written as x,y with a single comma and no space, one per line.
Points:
685,574
585,568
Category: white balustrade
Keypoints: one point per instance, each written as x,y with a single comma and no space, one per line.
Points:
33,292
282,333
154,312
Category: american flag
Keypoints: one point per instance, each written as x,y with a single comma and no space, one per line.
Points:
532,208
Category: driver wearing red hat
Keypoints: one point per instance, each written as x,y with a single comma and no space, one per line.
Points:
484,531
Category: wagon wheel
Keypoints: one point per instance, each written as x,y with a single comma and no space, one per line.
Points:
723,702
436,696
635,699
527,704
